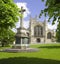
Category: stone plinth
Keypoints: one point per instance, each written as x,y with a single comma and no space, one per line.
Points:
22,38
19,46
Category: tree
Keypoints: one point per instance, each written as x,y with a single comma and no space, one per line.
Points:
9,13
58,33
52,10
7,37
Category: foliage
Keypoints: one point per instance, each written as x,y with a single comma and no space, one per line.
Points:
7,37
8,14
58,33
52,10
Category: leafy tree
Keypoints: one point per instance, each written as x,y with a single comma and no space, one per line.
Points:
8,13
58,33
7,37
52,10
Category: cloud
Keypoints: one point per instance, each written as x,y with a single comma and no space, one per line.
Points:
24,5
50,26
26,24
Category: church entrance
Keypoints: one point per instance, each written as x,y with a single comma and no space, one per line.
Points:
38,40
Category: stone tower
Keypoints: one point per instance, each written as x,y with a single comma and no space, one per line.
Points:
33,23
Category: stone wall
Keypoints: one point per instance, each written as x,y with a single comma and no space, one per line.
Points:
33,23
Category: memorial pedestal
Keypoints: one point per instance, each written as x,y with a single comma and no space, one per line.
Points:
22,39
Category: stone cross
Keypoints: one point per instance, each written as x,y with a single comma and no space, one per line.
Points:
21,18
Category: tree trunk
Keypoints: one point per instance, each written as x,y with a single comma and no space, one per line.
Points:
2,44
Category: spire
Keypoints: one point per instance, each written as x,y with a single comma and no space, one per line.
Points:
36,17
45,21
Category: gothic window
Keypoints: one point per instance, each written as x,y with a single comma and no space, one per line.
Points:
41,31
38,31
49,35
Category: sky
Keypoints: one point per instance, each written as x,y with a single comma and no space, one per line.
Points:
33,8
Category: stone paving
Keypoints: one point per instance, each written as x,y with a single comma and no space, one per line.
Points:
20,50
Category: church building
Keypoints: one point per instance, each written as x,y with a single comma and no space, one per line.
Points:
39,32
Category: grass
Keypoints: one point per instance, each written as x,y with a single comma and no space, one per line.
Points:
47,54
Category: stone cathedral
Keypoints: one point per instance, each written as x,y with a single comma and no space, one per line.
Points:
39,32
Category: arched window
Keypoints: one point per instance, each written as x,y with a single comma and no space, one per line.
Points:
49,35
38,31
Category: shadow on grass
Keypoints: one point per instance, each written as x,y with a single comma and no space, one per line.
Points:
25,60
50,47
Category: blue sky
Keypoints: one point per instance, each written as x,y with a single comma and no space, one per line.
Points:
34,6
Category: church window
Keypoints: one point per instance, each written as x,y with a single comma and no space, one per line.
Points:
38,31
48,35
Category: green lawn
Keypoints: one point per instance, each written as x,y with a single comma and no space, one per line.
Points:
47,54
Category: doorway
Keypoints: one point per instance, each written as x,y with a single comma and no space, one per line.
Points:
38,40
